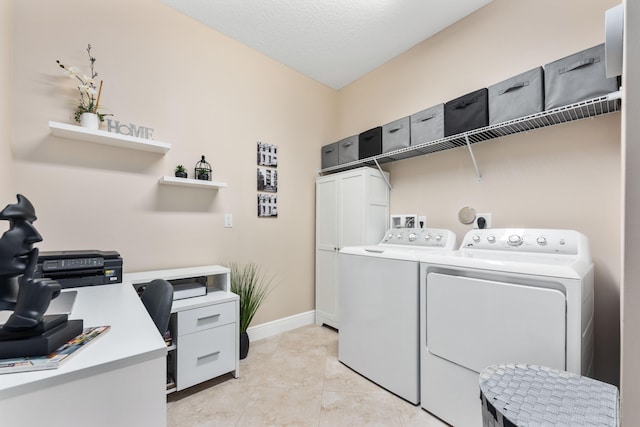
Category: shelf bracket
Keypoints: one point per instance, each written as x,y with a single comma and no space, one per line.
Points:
383,175
473,158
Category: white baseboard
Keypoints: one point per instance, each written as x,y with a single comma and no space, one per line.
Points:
279,326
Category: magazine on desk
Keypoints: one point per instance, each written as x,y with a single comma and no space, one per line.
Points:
53,360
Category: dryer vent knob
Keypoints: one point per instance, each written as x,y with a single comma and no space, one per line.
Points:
515,240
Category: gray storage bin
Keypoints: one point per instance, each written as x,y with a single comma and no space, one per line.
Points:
348,149
427,125
370,143
396,135
329,155
577,77
516,97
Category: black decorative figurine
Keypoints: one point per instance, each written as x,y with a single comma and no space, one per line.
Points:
27,332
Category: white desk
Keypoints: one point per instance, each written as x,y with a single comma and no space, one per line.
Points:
118,380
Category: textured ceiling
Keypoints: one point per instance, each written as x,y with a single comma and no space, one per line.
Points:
332,41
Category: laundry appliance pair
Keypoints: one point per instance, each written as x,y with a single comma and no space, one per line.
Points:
505,296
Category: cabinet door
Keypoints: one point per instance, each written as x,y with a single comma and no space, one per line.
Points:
377,209
326,250
351,210
326,214
327,288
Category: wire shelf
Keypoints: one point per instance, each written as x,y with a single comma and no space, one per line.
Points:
581,110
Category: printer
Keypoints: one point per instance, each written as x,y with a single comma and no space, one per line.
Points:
74,269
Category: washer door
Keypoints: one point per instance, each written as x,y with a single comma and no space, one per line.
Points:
476,323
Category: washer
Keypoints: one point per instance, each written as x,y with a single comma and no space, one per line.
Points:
506,296
379,307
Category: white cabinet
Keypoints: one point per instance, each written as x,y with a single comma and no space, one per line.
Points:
206,343
352,208
205,329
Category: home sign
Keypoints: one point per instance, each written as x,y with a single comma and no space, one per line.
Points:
129,129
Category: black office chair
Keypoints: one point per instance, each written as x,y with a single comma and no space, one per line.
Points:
157,299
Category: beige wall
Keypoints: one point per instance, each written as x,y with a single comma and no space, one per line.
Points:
629,387
6,27
209,95
559,177
201,92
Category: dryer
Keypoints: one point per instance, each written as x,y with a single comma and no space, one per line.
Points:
379,307
506,296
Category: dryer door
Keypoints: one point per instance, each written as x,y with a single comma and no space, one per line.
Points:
476,323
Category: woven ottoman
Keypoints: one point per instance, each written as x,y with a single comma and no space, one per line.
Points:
528,396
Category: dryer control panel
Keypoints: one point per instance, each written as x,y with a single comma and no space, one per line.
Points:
537,240
422,237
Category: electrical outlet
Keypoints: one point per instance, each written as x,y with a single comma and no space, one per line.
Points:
422,221
483,220
228,220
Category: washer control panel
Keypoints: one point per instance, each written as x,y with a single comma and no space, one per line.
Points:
525,240
430,237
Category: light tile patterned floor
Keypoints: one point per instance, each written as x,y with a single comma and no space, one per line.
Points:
293,379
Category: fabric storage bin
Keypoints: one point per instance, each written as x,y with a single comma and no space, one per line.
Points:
516,97
348,149
577,77
466,113
370,143
329,155
396,135
427,125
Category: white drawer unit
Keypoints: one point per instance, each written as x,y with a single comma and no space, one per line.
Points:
205,329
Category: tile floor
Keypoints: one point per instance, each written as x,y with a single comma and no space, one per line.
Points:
293,379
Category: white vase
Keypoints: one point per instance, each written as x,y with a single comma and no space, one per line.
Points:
89,121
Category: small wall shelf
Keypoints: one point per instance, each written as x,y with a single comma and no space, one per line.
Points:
188,182
581,110
79,133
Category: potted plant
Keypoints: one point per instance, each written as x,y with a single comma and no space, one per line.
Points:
252,287
181,172
86,113
202,174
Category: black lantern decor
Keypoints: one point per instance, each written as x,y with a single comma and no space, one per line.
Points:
203,170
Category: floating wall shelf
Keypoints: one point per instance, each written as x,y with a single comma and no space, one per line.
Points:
79,133
188,182
581,110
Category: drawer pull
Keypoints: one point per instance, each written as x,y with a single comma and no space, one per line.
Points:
215,353
428,118
213,316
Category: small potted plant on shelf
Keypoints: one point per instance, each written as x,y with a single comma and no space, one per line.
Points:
202,174
252,287
181,172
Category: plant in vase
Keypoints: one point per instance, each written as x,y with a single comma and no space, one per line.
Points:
180,172
252,287
87,110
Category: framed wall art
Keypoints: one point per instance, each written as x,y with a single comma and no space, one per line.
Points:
267,180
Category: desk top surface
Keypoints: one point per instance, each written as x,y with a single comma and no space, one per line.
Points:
133,338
